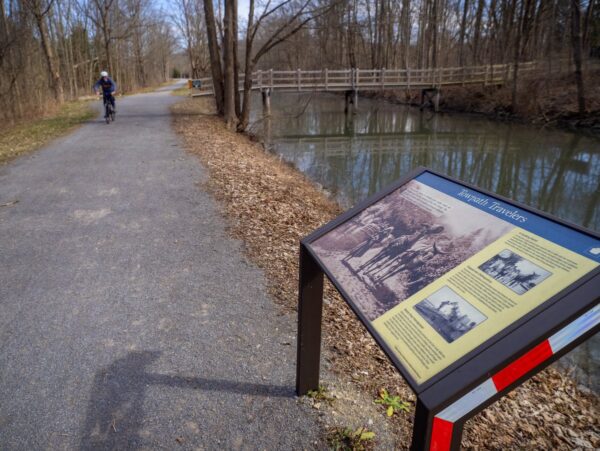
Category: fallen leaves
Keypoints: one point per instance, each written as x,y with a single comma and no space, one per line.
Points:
9,204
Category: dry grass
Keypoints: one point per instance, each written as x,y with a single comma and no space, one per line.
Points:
31,135
271,206
182,92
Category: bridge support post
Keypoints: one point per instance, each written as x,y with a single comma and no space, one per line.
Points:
351,101
431,97
266,101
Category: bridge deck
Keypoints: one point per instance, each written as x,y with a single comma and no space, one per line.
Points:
375,79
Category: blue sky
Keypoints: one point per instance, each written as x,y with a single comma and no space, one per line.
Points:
243,6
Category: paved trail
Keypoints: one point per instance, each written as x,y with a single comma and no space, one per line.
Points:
128,318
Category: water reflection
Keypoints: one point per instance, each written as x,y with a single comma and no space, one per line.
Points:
354,156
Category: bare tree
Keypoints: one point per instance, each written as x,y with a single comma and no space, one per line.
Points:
39,9
191,24
576,41
215,56
287,26
229,44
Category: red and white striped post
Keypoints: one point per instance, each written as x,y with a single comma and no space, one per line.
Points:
444,432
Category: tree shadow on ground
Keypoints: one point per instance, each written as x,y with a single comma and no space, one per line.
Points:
115,410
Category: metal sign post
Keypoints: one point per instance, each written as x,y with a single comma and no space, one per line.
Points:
468,294
310,311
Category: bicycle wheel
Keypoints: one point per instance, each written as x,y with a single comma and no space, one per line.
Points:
107,112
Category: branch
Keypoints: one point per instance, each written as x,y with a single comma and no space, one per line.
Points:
274,40
286,24
48,8
266,13
272,43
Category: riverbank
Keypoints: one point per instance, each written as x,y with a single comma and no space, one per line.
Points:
270,207
30,135
545,102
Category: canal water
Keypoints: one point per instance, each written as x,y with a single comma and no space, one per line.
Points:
355,155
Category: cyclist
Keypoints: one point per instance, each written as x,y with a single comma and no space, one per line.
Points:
108,88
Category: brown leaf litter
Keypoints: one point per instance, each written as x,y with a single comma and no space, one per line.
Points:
271,206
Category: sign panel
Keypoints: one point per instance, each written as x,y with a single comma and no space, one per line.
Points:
437,268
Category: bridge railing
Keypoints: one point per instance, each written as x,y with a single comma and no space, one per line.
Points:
303,79
369,79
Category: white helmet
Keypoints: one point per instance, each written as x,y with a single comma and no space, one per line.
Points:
104,74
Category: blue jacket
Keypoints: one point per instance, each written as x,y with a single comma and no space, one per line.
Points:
108,86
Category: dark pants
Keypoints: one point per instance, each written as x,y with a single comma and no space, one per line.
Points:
110,98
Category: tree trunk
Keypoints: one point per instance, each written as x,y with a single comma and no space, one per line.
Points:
139,60
189,38
352,26
477,31
53,72
107,55
576,42
463,25
215,56
406,32
236,82
586,25
230,69
248,67
434,39
516,56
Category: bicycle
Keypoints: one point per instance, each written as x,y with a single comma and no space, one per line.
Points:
109,111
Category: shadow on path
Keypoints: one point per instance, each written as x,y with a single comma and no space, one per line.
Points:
115,411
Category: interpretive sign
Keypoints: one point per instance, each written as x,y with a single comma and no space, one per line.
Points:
453,283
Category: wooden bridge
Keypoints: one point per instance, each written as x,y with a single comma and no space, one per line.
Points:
351,81
374,79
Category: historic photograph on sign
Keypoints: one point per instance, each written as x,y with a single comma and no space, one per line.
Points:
450,315
399,245
514,272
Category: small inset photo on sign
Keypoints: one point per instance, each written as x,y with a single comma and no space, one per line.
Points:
514,272
450,315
